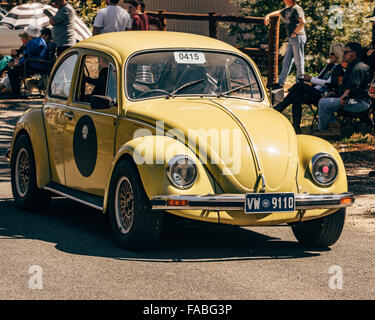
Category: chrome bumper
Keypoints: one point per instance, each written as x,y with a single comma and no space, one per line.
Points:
225,202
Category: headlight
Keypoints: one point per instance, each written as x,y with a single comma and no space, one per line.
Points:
323,169
182,171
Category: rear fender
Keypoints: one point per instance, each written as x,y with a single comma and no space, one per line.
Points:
31,123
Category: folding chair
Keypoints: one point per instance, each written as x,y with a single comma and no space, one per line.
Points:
356,120
39,77
314,114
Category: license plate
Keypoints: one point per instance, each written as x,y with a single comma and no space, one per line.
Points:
269,202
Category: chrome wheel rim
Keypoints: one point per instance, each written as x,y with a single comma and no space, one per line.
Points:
124,205
22,174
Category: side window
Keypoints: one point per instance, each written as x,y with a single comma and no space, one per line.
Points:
62,79
94,79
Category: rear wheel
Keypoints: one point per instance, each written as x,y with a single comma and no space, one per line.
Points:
26,193
134,225
322,232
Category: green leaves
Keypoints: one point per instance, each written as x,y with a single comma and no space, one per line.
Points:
327,21
87,10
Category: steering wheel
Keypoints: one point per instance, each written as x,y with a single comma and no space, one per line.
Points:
151,92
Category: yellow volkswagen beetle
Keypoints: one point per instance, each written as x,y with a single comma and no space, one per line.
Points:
141,125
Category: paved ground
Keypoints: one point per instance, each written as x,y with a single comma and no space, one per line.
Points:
68,253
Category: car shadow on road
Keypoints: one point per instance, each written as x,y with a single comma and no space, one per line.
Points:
80,230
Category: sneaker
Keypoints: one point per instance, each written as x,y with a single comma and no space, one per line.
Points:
279,108
276,86
331,132
334,125
297,129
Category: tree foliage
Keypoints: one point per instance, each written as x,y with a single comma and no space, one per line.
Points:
327,21
87,10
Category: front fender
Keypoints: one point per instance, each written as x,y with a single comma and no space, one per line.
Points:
32,124
308,146
151,154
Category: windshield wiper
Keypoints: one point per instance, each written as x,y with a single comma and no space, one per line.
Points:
184,86
222,94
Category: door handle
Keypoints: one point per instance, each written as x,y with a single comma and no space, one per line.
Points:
69,115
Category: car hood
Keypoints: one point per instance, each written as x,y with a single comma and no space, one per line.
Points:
239,141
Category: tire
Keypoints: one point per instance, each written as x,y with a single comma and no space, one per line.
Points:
134,225
322,232
25,191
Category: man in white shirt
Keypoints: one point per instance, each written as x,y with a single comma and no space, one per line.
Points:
111,19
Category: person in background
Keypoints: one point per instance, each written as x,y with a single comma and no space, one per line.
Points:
294,18
111,19
369,51
369,59
141,20
15,54
100,83
35,48
63,25
352,95
327,81
46,35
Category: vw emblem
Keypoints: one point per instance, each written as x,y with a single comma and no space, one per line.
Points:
85,132
265,203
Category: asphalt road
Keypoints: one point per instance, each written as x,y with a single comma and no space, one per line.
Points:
66,252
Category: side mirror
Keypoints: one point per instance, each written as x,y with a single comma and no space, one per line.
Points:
101,102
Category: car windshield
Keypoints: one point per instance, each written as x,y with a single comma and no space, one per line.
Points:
181,72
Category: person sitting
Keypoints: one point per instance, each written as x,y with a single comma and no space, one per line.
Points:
352,95
303,93
50,54
14,54
35,48
100,83
369,59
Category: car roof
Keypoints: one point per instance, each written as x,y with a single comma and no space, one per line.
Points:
126,43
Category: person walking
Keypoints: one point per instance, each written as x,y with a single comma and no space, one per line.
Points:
294,18
63,25
111,19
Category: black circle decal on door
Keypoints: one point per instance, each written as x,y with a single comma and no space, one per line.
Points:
85,146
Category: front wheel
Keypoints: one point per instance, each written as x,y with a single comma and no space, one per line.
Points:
322,232
134,225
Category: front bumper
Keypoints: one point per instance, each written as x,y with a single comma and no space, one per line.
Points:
224,202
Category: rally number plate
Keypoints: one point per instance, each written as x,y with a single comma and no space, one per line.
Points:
269,202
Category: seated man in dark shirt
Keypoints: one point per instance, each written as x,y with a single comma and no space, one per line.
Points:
100,83
352,95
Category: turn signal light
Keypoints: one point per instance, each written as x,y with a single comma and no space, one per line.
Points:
345,201
177,203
